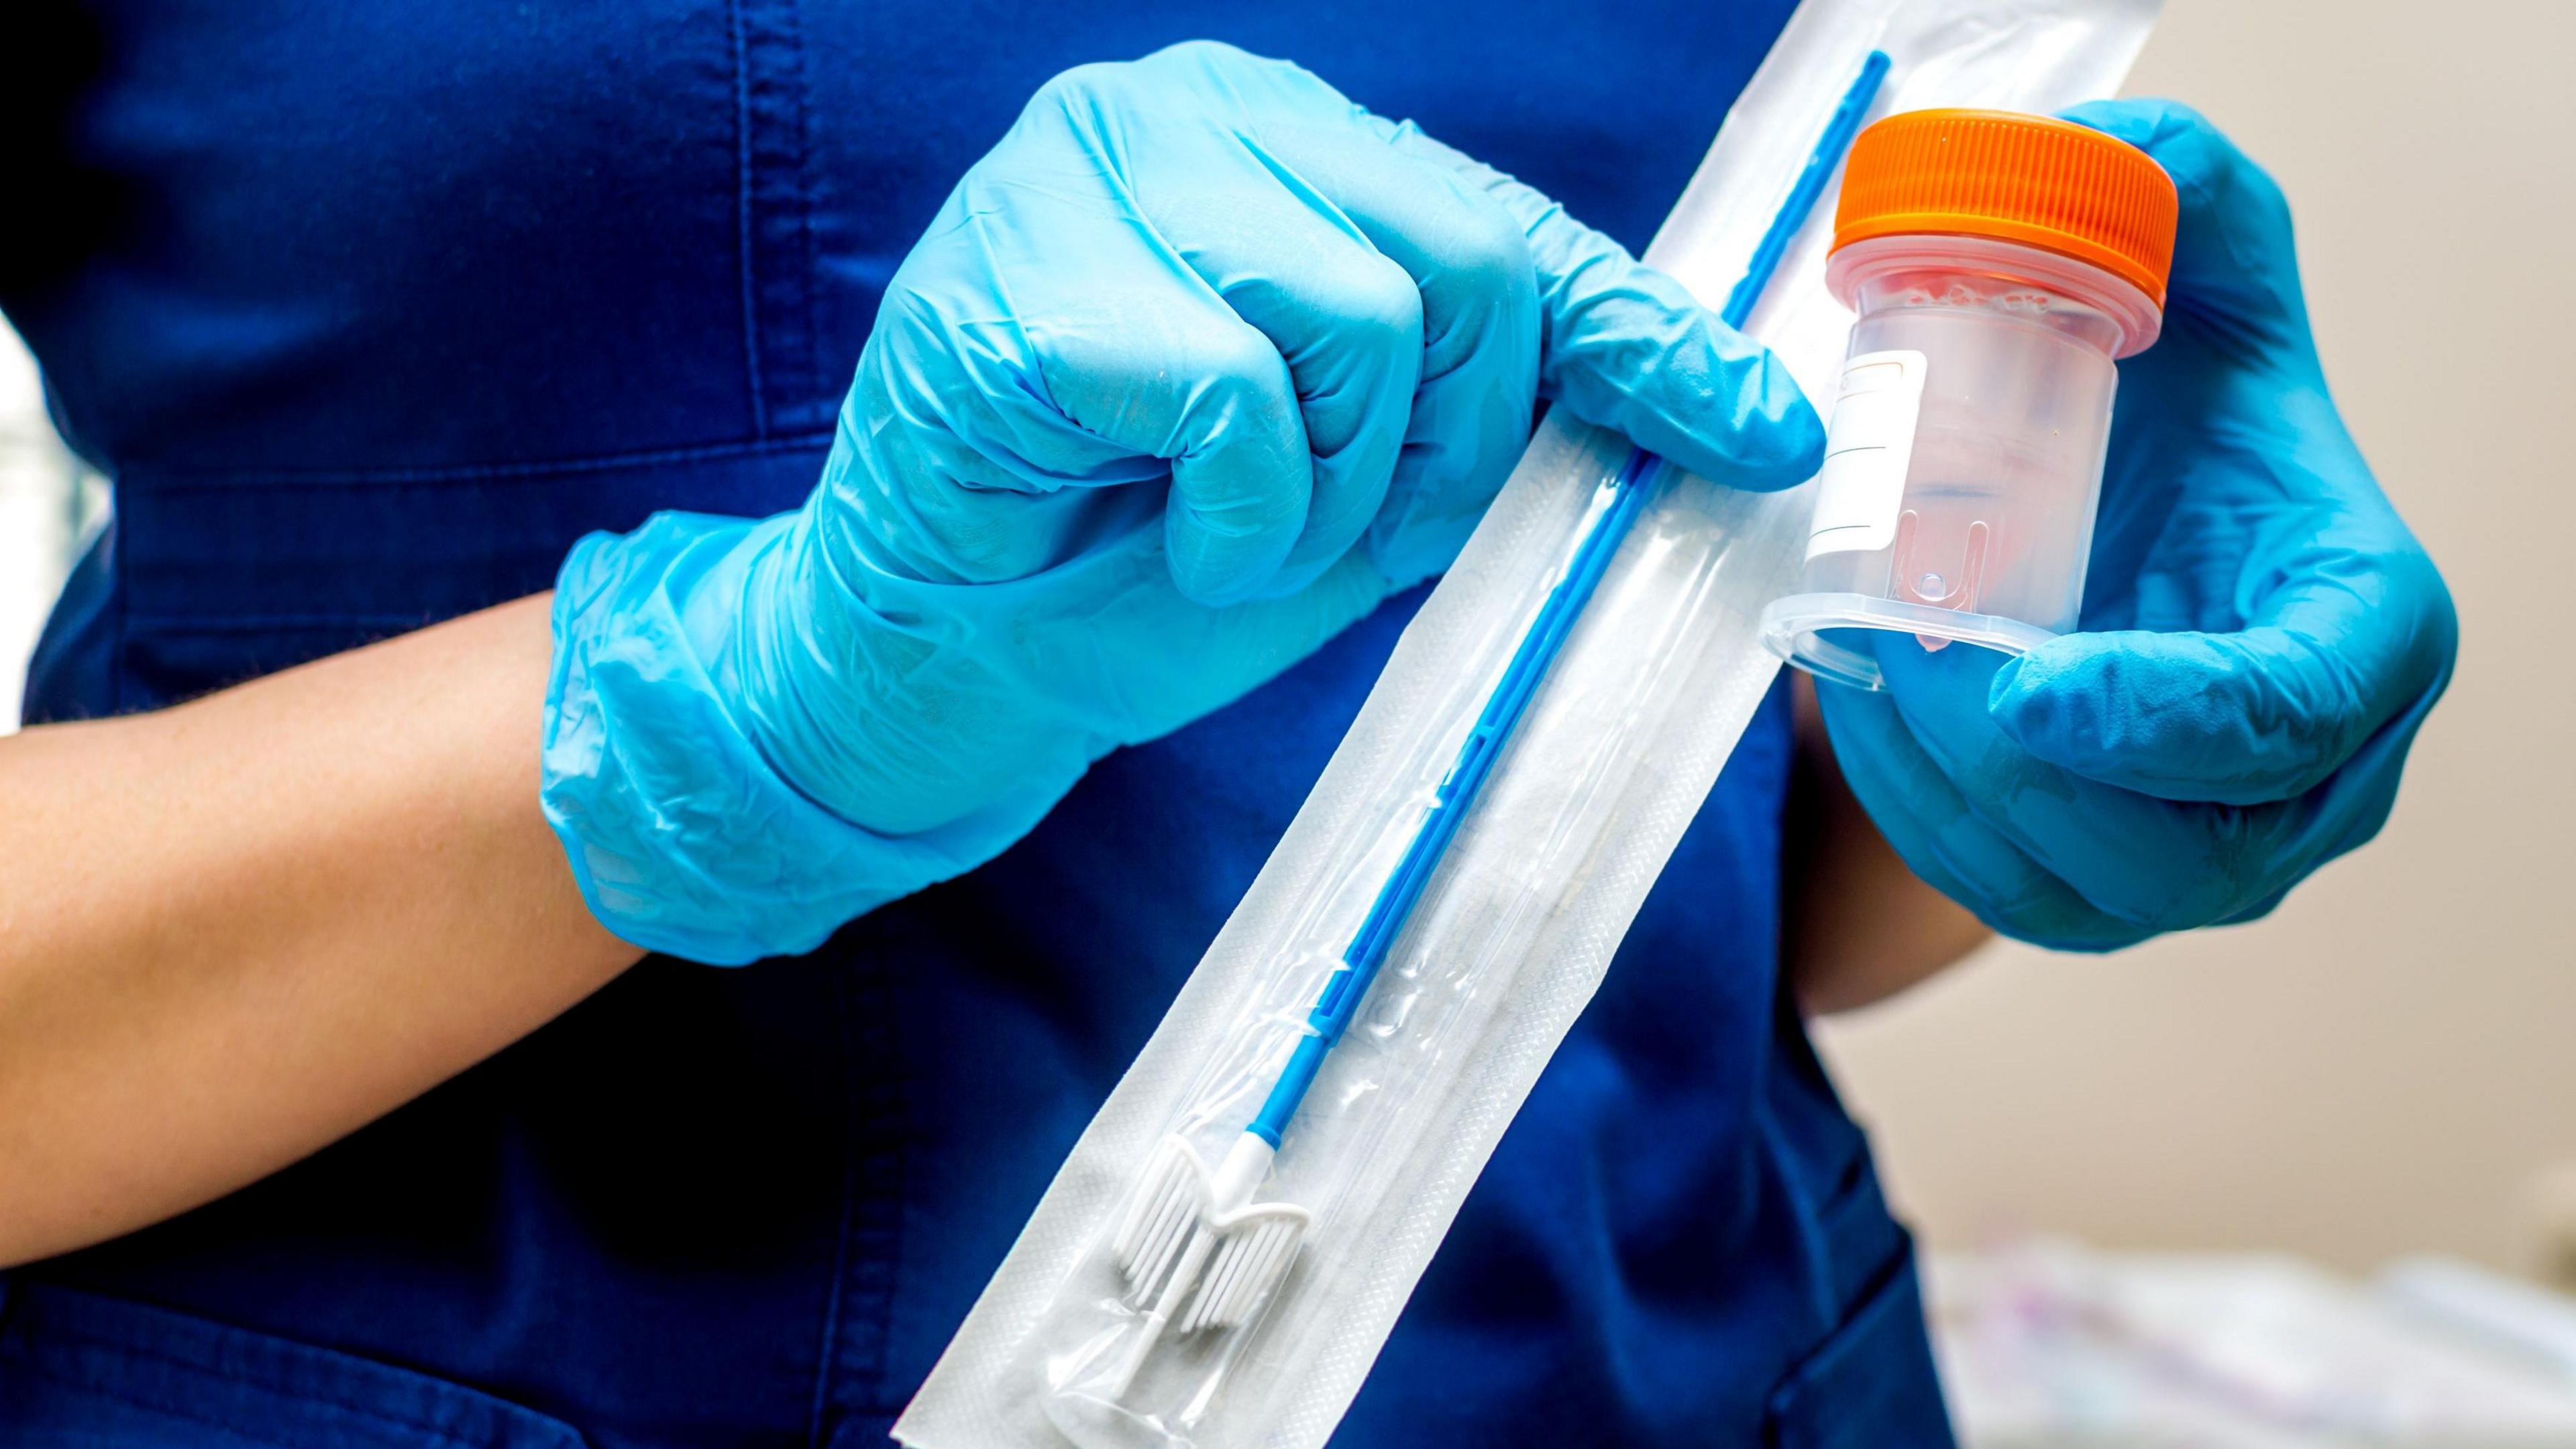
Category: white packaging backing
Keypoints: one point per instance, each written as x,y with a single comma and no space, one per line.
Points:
1619,746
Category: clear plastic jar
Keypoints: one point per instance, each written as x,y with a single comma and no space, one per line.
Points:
1964,456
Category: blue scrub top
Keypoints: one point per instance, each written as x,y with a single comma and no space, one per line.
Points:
379,307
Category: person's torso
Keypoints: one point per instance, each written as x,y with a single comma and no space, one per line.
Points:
397,302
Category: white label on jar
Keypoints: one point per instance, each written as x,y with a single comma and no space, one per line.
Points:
1867,450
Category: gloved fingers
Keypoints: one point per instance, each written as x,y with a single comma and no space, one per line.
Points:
1156,364
2351,640
2235,264
1031,358
2153,863
1931,827
1166,155
1236,508
1627,347
923,490
1346,319
1470,266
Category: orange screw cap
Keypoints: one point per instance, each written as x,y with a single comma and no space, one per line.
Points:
2043,183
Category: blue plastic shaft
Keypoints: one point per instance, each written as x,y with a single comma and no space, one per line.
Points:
1830,146
1629,492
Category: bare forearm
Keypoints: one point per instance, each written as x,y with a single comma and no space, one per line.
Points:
1861,927
233,931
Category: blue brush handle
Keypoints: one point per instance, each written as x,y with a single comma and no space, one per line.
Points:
1809,188
1629,493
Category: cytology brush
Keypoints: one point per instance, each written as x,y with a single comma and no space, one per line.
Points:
1195,1247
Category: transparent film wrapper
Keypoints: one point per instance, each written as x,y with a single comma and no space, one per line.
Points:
1297,1268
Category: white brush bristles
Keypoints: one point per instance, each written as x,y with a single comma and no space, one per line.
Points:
1180,1202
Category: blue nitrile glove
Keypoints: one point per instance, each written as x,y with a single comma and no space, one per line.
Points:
1196,367
2263,635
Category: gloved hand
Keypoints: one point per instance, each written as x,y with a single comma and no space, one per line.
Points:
1195,368
2262,635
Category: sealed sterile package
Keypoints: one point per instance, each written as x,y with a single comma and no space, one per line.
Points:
1226,1248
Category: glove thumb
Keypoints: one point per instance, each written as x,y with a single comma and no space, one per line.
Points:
1627,347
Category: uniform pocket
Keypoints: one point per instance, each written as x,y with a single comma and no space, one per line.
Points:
1871,1383
78,1371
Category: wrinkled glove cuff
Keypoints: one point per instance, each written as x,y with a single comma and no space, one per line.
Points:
684,838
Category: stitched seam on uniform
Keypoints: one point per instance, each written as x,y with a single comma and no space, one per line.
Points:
365,1411
817,373
160,482
742,217
826,1351
45,1370
1815,1254
782,250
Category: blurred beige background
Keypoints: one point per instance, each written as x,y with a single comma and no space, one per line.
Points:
2388,1063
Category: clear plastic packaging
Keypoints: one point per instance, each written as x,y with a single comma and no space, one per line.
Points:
1965,452
1078,1339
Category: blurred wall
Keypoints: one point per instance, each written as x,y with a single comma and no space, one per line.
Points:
2388,1063
45,501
